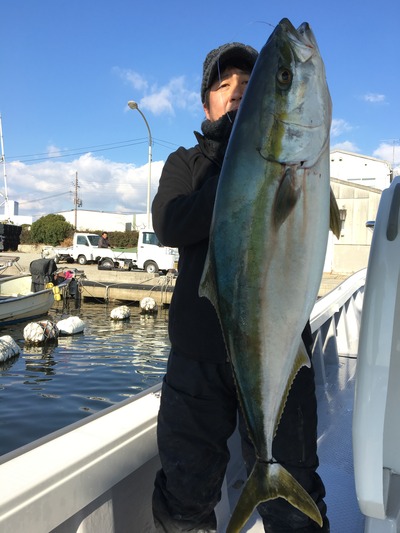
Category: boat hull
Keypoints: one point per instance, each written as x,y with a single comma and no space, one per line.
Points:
18,303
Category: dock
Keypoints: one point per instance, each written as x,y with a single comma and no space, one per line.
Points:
161,292
123,285
134,285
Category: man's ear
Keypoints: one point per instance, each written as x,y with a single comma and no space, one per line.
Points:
206,111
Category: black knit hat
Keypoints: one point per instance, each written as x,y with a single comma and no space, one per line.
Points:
229,53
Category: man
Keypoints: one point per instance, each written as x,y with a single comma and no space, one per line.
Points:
103,241
199,406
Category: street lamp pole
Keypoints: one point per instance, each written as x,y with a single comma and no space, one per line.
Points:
133,105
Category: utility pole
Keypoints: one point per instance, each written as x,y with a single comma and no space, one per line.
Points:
395,142
77,201
3,160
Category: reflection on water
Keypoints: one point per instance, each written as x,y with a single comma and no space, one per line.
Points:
48,387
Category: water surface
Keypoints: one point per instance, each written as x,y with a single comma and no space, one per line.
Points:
48,387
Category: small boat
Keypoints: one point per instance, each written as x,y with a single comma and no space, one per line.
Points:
18,302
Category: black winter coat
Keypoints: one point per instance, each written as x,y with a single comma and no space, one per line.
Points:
182,211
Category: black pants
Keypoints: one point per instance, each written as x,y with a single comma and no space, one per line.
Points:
198,414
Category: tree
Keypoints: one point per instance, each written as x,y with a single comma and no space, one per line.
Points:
51,229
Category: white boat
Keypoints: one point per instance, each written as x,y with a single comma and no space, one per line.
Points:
18,302
96,476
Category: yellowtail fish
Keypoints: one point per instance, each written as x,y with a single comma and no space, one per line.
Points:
268,242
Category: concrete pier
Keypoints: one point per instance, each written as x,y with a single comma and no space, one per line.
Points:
135,285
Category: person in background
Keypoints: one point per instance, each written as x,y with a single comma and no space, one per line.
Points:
199,405
103,241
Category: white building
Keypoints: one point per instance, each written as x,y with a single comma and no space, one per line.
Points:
88,220
360,169
10,212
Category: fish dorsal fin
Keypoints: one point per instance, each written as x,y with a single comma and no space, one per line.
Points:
334,216
302,359
286,197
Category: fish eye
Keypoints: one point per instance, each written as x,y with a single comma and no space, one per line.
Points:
284,76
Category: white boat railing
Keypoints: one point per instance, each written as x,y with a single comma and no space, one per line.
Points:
97,475
335,323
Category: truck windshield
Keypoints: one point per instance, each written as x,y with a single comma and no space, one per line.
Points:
151,238
93,239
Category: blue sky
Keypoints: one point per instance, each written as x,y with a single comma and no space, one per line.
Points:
68,69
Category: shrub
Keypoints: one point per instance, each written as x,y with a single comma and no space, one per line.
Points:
51,229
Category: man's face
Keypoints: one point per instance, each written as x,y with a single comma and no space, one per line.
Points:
226,93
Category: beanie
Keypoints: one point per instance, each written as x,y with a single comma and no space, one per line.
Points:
229,53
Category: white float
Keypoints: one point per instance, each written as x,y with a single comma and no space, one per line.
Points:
8,348
40,332
71,325
120,313
148,305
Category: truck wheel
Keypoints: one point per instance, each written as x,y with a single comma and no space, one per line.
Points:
107,263
151,267
82,260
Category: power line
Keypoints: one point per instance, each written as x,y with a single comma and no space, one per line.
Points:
44,198
27,158
75,151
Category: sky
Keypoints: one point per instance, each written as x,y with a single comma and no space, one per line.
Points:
68,69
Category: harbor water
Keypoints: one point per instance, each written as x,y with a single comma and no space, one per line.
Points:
48,387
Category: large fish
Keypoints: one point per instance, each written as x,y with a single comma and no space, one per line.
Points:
267,244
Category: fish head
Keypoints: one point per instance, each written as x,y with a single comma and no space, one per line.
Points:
296,113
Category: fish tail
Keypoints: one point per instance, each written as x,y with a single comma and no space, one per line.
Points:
269,481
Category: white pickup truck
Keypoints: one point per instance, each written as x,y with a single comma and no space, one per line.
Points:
151,255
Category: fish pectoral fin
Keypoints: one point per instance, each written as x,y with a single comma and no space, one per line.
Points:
286,197
268,482
334,216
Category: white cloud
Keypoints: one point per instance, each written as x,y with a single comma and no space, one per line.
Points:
339,126
53,151
165,99
173,95
47,187
347,146
388,151
374,98
135,79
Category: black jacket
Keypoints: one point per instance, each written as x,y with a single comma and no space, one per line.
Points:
182,211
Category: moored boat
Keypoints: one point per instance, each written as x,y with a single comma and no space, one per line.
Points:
18,302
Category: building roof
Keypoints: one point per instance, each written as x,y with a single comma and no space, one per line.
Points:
361,156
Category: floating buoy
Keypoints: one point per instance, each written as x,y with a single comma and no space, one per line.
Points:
148,305
71,325
120,313
8,348
40,332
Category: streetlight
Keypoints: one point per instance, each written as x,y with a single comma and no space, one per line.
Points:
133,105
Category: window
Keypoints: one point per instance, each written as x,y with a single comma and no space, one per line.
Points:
94,240
150,238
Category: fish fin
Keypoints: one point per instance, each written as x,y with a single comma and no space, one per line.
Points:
269,481
285,198
334,216
207,282
302,359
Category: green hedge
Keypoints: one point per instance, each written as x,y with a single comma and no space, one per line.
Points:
54,230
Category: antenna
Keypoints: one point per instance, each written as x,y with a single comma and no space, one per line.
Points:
394,143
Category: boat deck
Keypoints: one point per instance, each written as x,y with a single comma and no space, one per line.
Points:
335,411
